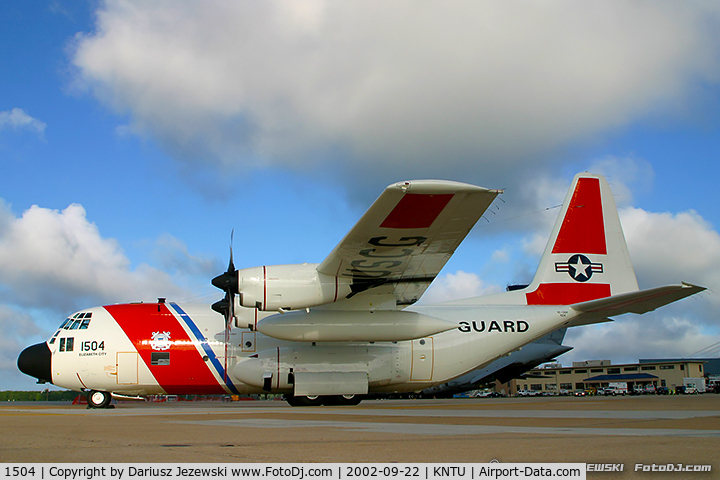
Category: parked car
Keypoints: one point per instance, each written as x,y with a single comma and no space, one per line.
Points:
612,390
662,390
618,388
490,394
479,394
580,393
528,393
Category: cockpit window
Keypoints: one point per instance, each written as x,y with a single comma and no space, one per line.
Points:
78,321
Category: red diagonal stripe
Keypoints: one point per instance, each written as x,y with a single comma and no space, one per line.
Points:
583,228
188,372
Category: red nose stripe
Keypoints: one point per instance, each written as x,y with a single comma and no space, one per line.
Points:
583,229
416,210
186,373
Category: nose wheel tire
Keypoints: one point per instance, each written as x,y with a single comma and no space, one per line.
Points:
97,399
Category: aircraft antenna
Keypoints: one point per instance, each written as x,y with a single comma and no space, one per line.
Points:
709,351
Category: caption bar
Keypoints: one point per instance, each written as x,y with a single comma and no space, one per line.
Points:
292,471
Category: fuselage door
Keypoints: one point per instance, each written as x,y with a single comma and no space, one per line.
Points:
422,359
127,368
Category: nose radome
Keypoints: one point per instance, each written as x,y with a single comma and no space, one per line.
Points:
35,361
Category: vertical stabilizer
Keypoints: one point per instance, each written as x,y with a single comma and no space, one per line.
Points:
586,257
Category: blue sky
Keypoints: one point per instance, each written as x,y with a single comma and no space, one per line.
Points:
135,136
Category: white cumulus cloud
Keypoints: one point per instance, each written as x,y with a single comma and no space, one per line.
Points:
19,331
668,248
58,258
458,285
631,338
17,119
448,87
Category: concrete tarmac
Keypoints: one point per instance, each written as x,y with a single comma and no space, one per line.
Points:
628,430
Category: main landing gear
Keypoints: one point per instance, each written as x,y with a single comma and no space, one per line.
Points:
327,400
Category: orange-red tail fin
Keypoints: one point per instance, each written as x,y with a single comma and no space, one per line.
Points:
586,257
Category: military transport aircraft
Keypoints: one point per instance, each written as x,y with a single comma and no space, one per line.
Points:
329,333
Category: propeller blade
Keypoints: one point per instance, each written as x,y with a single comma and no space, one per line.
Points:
231,265
228,282
232,286
221,306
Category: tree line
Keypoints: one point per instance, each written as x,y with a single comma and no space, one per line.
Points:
36,396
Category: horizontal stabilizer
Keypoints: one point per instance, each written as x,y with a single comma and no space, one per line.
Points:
639,302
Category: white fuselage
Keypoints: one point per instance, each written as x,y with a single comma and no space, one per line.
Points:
145,349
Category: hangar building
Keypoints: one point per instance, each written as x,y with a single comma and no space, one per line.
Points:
554,378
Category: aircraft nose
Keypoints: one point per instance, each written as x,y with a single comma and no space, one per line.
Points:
35,361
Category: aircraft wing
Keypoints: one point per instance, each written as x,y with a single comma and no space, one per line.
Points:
402,242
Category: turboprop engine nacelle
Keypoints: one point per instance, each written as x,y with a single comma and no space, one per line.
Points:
289,287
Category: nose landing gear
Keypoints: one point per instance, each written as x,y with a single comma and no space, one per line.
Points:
98,399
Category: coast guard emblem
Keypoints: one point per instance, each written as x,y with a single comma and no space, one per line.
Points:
160,341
